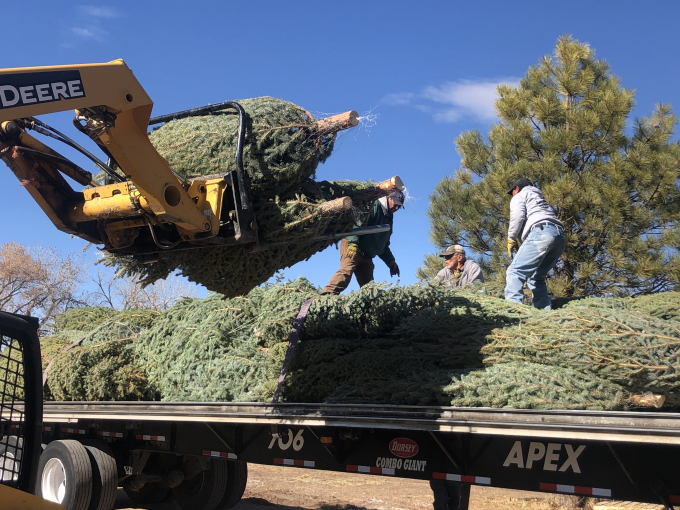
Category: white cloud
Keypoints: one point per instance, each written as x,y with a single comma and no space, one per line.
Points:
447,116
95,33
468,98
89,20
98,12
83,32
452,101
400,98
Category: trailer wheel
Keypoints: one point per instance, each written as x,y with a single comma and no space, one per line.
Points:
10,457
104,474
237,478
153,492
65,475
205,491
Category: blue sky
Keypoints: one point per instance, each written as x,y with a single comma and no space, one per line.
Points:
426,70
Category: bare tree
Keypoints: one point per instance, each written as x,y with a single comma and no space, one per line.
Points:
125,293
38,281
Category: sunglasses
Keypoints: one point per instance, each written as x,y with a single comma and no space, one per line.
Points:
449,257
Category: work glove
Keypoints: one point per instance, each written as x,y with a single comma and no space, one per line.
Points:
394,268
352,250
512,245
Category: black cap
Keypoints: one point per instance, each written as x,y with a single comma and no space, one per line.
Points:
398,198
521,182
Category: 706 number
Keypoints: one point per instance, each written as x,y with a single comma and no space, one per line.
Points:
297,441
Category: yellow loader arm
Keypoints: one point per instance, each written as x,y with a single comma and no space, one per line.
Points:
14,499
130,216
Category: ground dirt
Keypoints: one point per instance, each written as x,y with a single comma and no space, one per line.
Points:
272,487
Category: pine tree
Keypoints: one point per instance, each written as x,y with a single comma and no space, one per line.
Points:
618,194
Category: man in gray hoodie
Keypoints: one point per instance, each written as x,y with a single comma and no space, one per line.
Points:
534,222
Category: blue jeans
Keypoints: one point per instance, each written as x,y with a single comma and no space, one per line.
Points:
538,254
446,494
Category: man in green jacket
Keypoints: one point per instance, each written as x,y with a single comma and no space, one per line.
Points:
357,252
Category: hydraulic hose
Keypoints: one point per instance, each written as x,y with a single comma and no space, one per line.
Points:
48,130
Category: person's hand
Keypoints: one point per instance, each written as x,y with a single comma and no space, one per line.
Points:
352,250
512,245
394,268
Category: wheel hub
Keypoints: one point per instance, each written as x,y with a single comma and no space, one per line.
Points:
7,467
53,482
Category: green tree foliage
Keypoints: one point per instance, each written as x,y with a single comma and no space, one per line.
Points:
282,150
420,344
565,128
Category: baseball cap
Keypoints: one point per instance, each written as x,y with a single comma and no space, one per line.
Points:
398,198
452,250
521,182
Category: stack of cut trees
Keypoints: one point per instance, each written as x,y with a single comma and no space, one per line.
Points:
423,344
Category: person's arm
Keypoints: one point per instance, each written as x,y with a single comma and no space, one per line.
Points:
474,274
518,215
386,255
352,239
479,277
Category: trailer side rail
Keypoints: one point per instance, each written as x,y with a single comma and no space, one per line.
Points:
634,427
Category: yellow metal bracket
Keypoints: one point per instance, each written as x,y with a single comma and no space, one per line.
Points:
109,90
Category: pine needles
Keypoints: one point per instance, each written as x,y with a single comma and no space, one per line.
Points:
282,151
420,345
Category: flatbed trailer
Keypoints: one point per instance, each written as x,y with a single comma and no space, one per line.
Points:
618,455
198,452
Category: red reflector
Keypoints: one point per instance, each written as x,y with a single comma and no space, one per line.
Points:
326,440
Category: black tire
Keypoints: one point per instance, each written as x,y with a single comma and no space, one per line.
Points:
11,449
205,491
237,478
71,459
104,474
151,493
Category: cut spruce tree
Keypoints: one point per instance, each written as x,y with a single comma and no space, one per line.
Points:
283,147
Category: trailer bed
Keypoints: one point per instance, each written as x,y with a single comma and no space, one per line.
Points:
620,455
634,427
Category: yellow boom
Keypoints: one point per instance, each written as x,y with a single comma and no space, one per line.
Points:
115,111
